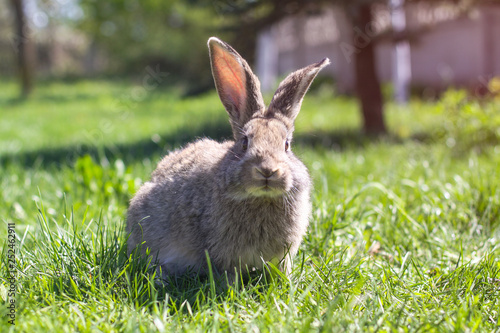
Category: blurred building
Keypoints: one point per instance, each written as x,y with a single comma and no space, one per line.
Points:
448,46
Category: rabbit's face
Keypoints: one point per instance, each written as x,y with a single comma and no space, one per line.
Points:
261,160
263,165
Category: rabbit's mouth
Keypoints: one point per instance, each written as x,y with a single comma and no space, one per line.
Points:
265,190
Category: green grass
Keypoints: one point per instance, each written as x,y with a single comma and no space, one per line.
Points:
404,236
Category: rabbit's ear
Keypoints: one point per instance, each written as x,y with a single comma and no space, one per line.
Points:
288,97
238,87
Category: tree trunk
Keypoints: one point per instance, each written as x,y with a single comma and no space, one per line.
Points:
23,46
367,82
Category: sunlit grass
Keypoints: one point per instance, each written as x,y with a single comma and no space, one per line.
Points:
404,235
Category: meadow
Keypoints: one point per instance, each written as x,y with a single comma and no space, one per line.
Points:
404,235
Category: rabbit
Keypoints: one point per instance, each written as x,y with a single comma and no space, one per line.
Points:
244,202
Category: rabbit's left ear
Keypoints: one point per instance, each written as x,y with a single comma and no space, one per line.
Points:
290,93
238,87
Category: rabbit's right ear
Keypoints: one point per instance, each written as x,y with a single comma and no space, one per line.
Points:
238,87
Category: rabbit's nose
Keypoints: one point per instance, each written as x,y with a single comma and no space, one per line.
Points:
266,172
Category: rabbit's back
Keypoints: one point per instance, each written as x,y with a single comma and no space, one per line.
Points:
166,213
196,158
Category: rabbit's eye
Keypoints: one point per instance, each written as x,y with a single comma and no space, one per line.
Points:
244,143
287,145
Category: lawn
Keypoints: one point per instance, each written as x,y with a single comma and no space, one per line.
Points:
404,235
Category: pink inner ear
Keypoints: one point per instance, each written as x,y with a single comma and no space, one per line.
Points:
231,77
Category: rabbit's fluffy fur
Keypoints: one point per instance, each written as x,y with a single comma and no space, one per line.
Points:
244,202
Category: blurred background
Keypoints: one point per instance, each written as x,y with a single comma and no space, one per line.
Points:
387,48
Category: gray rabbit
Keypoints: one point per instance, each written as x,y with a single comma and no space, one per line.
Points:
244,202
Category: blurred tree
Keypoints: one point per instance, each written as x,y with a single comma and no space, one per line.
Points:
168,35
23,47
367,82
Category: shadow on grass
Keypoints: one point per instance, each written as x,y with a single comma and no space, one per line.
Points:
200,290
342,139
46,97
128,152
160,145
